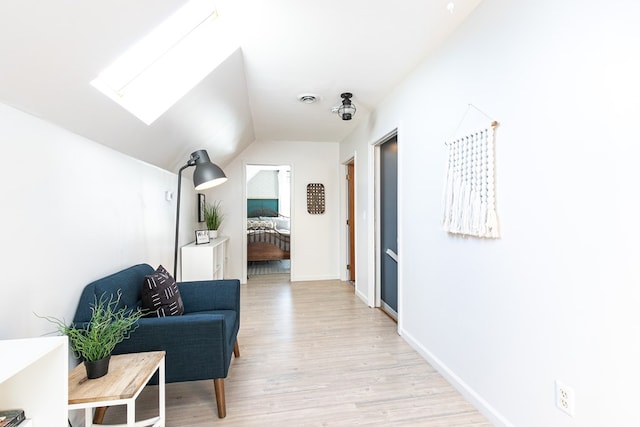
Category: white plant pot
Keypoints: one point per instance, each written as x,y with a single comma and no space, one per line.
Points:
213,234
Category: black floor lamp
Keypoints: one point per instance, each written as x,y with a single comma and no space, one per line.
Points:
206,175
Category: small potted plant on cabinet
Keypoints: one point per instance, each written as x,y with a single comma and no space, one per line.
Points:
213,216
94,341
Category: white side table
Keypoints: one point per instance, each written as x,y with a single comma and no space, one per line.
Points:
128,374
204,262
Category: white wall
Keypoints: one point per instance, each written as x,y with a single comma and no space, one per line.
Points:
74,211
314,238
558,296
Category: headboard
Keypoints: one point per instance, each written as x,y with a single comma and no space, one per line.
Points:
262,207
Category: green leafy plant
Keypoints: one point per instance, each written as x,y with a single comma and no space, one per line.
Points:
213,215
109,325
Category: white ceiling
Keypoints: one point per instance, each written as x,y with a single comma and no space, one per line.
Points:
51,49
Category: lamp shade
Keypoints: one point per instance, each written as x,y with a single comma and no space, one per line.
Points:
207,174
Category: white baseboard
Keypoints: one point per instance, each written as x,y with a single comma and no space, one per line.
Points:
363,297
313,278
495,417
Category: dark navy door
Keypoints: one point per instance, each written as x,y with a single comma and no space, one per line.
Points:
389,226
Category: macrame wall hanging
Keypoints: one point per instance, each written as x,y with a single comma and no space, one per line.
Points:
469,193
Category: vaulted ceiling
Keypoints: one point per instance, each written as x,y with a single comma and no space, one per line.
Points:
51,50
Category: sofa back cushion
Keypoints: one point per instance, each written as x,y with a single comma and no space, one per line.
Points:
129,281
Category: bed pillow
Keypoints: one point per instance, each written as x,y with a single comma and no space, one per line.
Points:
253,223
260,223
267,222
282,224
160,294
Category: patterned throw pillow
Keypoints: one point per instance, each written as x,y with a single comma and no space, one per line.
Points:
261,223
253,223
160,294
267,223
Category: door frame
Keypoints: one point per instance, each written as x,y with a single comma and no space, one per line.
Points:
246,163
344,215
376,223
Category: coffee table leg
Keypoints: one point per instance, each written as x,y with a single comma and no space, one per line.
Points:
131,413
161,395
88,416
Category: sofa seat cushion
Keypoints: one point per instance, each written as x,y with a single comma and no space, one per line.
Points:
161,295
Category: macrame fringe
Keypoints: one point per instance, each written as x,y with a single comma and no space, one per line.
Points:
469,193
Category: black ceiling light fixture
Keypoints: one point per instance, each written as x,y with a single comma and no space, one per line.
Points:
347,109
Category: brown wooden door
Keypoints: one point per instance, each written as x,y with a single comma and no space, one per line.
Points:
351,221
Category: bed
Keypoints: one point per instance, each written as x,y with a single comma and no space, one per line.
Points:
268,236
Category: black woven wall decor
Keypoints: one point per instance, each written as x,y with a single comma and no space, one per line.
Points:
315,198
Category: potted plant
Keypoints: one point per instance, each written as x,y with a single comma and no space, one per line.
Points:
213,216
94,341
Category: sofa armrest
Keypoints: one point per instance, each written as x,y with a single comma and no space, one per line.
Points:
206,295
196,345
163,333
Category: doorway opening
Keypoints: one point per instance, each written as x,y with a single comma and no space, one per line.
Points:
268,204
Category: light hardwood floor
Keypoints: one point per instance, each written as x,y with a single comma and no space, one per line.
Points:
313,354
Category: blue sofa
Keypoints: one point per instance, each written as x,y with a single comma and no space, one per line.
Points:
198,344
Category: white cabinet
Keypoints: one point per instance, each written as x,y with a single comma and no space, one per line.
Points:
206,261
34,377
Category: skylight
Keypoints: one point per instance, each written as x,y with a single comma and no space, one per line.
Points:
160,69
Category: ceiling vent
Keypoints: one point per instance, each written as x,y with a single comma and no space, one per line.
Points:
307,98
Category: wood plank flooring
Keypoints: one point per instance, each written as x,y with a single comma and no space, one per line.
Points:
313,354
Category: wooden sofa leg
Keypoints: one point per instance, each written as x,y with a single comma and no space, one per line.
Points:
218,384
98,415
236,349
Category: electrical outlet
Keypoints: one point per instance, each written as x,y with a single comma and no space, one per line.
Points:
565,398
